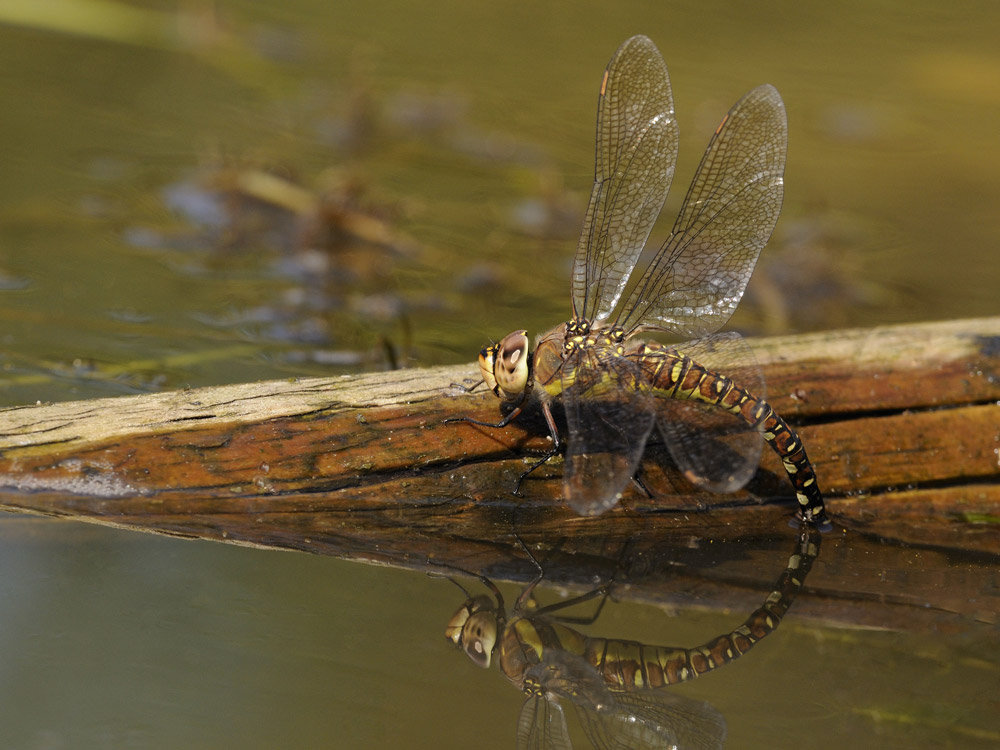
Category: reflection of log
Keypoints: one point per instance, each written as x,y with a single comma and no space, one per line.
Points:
902,424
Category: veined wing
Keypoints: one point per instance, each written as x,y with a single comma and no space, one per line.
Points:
541,725
614,721
698,276
558,675
653,719
636,150
713,448
610,413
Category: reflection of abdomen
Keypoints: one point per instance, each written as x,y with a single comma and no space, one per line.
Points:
630,665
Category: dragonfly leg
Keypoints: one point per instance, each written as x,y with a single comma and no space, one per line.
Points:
468,388
556,446
503,423
543,460
478,576
526,594
642,485
604,592
514,414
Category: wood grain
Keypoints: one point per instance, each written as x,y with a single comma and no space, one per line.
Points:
902,424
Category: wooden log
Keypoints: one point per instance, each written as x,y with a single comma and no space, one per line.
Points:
902,424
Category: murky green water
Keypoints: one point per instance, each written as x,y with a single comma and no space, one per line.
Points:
478,120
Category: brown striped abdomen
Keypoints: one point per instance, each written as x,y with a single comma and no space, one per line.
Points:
674,375
630,665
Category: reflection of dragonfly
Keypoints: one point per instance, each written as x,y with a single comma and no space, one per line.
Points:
612,387
612,684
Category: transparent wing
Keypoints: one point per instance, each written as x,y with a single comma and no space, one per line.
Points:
609,413
641,720
654,719
635,155
563,674
713,448
698,276
541,725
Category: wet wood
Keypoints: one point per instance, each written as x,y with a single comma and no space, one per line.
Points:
902,424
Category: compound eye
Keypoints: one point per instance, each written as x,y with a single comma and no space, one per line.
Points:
479,635
487,364
453,631
510,368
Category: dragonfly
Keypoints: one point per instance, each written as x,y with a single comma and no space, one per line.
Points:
612,386
615,686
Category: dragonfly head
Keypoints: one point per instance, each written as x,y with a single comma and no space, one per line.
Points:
506,366
474,628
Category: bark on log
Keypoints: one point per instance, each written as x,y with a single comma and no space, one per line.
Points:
902,424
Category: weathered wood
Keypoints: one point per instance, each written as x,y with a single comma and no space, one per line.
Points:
902,424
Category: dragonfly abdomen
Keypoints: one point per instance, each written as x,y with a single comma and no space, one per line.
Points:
674,375
630,665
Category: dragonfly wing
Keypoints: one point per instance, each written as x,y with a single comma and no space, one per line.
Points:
615,727
698,276
558,675
563,674
641,720
636,149
715,449
609,415
542,726
651,717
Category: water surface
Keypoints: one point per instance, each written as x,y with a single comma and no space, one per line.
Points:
475,147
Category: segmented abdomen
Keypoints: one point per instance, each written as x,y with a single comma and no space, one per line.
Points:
630,665
674,375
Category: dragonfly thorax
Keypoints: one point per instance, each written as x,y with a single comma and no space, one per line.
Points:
577,327
506,366
581,335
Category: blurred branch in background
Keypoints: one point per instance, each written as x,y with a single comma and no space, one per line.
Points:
195,28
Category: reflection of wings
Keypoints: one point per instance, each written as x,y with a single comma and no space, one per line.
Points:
642,720
655,719
542,726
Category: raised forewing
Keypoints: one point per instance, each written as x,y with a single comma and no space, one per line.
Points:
635,155
698,276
